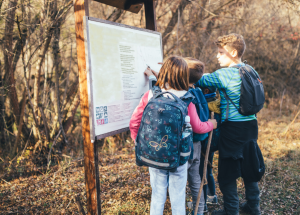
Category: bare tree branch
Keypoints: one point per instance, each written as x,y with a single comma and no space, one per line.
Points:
115,15
173,20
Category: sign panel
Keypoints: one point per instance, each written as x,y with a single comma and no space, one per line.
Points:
117,58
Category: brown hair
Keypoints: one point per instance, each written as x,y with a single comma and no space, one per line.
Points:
175,72
232,41
196,69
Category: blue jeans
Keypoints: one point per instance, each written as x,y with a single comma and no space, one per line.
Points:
231,199
160,180
210,177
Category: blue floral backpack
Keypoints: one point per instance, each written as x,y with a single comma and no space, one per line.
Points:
159,143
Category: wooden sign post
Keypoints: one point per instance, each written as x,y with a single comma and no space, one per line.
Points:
91,170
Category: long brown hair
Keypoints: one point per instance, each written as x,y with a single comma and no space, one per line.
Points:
175,72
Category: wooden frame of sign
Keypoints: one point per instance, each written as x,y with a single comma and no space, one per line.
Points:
91,170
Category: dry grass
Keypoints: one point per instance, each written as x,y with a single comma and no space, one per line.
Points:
280,186
125,188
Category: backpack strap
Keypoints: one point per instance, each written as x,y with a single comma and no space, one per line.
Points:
155,90
187,98
237,66
227,107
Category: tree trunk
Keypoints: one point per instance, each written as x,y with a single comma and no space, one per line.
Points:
38,74
57,66
2,110
23,102
8,58
72,112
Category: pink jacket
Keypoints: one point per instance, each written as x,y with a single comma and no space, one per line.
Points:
197,126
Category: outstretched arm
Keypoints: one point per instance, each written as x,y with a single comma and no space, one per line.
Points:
152,75
218,79
198,126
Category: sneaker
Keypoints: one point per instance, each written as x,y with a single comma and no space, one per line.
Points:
190,205
221,212
250,210
212,200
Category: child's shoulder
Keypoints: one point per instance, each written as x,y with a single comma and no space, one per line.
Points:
222,72
226,70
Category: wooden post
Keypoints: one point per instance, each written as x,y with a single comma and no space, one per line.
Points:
150,15
90,147
91,170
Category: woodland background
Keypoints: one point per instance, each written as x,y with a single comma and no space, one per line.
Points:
40,128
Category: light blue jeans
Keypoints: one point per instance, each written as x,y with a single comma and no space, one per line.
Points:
160,181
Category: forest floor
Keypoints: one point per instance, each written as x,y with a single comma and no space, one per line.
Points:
125,187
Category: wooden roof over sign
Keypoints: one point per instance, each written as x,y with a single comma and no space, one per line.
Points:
130,5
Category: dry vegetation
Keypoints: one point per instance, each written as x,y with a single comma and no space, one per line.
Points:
125,188
39,103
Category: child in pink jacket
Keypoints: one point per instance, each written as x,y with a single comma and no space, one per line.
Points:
173,77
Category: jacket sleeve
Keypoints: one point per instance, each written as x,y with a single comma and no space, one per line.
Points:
136,117
198,126
218,79
152,81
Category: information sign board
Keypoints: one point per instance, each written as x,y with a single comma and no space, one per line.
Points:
117,58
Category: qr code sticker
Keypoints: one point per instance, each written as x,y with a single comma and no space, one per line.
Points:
101,115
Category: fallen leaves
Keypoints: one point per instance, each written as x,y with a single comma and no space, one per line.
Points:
125,187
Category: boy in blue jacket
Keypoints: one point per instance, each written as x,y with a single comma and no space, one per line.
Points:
237,130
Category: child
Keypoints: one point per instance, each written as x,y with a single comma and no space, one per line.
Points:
196,69
237,131
173,77
213,106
